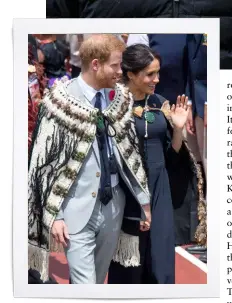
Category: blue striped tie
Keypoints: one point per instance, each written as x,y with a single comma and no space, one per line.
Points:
105,192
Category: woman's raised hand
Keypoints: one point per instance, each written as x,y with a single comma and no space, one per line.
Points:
180,111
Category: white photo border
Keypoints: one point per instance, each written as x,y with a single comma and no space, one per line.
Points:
21,29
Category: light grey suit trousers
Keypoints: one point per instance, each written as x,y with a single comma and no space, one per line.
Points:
90,251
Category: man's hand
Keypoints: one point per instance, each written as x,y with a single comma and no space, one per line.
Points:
60,232
144,226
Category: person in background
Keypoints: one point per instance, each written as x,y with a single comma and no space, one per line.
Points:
37,83
197,122
125,37
75,41
122,37
52,54
172,49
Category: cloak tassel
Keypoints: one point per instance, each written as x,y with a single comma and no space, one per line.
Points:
127,251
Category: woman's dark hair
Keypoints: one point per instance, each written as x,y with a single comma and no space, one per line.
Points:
137,57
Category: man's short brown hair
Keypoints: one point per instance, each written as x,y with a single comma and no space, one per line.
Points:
99,46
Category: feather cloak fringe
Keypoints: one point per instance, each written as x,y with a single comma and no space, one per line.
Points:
127,251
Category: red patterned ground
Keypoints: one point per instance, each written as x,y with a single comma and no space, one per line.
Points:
186,272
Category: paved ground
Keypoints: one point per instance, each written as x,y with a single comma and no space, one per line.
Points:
189,270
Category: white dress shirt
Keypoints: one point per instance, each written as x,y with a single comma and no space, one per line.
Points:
90,95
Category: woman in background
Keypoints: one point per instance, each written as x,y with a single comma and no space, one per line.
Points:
37,83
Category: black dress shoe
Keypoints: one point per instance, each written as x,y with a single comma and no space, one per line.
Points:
203,258
196,249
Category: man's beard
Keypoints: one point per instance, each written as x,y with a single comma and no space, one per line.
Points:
104,81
